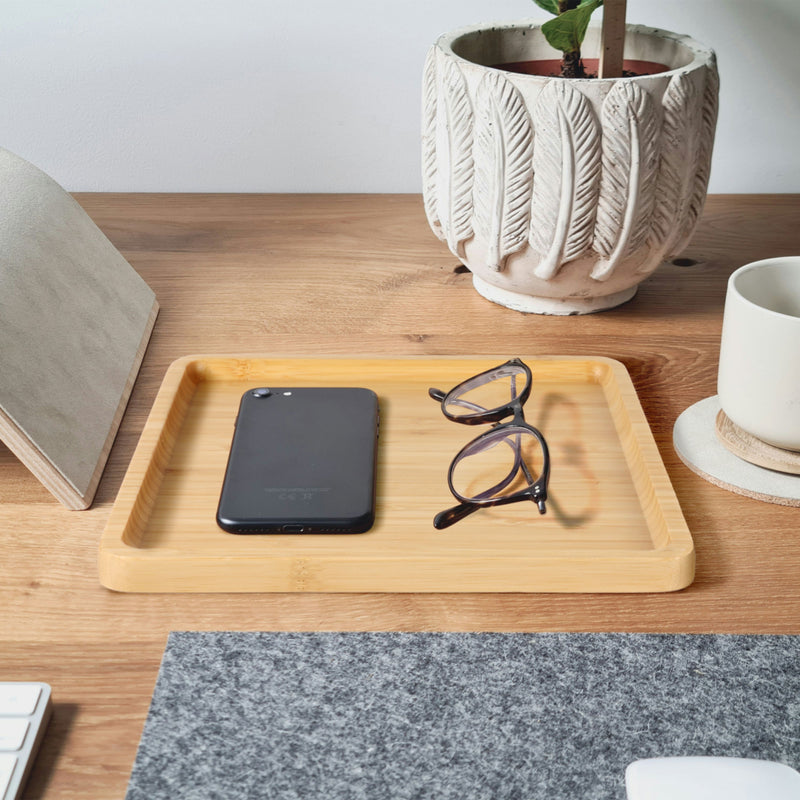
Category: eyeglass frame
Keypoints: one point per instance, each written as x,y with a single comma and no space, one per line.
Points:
536,490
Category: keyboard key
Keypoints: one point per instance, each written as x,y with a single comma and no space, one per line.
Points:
19,699
7,764
12,732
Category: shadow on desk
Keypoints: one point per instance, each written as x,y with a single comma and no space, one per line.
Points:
44,766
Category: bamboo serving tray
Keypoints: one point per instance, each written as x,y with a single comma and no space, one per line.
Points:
613,522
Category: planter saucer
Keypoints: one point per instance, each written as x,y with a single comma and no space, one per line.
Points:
698,446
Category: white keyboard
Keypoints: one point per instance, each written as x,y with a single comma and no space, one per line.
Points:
24,711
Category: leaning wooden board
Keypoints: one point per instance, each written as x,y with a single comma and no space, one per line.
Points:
613,522
75,320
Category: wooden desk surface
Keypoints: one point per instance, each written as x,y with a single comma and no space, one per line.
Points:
350,275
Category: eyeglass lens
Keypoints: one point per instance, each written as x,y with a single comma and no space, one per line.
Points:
498,464
486,392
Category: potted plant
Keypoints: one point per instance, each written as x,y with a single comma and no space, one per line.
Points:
567,31
562,194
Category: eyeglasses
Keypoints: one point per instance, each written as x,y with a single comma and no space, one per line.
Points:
508,463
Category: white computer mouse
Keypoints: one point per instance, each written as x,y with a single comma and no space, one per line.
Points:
710,778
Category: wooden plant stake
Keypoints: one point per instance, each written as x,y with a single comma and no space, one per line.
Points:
75,319
613,39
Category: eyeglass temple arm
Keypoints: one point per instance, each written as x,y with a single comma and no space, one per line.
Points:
444,519
538,487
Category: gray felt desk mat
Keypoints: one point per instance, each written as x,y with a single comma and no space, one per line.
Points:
344,716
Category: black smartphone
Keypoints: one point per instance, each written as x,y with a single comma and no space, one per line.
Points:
302,460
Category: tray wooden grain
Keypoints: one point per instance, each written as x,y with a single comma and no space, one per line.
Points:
613,521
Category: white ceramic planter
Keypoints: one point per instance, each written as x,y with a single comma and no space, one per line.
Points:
562,195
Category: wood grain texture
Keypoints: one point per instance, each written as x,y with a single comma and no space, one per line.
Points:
612,47
356,275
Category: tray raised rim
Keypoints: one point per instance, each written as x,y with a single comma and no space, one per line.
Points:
669,566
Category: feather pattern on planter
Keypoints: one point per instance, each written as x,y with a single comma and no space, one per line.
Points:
429,103
678,151
503,168
705,146
628,185
447,151
566,169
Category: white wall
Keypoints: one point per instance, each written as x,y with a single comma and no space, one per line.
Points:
320,96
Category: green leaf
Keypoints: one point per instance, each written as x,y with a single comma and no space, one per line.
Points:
566,31
548,5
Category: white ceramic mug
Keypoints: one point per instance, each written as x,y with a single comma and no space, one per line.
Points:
759,361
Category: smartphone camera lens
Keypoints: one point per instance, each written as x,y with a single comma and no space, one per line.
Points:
261,393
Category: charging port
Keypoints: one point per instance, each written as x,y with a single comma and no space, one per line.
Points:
292,528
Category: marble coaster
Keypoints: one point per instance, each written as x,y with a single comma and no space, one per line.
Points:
698,446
